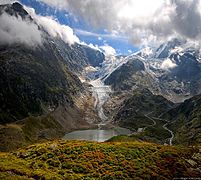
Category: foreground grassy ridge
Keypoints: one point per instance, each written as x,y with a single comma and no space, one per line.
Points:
90,160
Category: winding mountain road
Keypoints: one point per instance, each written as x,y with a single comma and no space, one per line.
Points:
164,126
167,129
151,125
171,132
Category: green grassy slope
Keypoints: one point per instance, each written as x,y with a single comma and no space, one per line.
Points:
28,131
90,160
186,121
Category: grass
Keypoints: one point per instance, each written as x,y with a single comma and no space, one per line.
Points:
29,131
91,160
124,138
152,132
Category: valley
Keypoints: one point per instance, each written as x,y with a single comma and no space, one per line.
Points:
106,129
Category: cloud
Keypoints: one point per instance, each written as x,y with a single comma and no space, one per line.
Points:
108,50
101,36
58,3
187,18
7,1
130,51
168,64
54,28
143,21
15,30
96,47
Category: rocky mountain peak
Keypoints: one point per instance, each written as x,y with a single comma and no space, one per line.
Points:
15,9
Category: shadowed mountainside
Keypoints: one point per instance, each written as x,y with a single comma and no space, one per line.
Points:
40,86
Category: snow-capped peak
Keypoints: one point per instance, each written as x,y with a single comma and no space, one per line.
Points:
177,49
146,52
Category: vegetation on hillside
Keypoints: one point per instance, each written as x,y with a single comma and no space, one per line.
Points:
186,121
90,160
139,112
28,131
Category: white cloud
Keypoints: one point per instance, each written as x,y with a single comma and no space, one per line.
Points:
7,1
108,50
94,46
140,19
130,51
168,64
56,3
101,36
15,30
54,28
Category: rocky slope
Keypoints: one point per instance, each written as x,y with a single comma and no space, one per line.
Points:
34,82
139,104
142,80
77,56
173,71
40,79
154,118
139,112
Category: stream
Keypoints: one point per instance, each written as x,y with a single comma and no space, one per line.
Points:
101,95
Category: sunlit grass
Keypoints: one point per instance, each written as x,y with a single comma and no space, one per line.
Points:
88,160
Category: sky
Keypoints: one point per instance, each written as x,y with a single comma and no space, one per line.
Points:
86,32
113,26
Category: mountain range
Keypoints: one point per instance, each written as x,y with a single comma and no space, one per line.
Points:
157,88
171,71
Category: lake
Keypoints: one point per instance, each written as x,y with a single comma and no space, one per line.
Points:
99,135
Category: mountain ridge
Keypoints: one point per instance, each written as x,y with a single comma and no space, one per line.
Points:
41,87
176,77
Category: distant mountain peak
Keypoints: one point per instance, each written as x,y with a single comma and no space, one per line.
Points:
17,6
15,9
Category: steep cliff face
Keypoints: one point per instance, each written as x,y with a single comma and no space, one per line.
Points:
78,56
36,80
122,78
15,9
